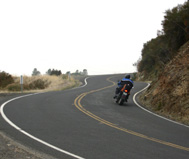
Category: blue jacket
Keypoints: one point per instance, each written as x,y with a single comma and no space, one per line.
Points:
125,81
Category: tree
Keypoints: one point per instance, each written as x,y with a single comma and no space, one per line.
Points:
68,72
85,73
35,72
77,72
49,72
175,26
56,72
159,51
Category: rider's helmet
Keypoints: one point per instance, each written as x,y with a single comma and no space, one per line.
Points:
127,76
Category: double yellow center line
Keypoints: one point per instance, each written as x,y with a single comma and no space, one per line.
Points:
77,103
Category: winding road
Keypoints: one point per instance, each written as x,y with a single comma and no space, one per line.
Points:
85,122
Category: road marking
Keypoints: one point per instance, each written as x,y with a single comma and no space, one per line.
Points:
29,135
134,99
77,103
85,81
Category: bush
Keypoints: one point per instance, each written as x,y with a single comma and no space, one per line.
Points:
38,84
5,79
14,87
64,76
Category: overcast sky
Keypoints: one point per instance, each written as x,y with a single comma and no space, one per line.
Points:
102,36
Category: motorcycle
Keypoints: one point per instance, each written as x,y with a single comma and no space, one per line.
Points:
123,95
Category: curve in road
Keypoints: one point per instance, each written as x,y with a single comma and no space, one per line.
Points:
77,103
89,91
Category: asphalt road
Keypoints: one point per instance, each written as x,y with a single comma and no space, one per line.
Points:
87,123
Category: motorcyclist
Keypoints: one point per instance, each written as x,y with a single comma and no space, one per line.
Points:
121,83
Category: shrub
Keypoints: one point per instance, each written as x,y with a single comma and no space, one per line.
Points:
14,87
64,76
38,84
5,79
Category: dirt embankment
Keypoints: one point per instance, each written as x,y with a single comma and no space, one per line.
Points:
169,95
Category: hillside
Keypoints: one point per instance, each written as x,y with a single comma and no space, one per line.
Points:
159,51
169,94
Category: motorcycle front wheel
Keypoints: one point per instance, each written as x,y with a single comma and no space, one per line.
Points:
118,98
121,102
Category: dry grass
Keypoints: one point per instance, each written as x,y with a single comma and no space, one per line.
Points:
53,83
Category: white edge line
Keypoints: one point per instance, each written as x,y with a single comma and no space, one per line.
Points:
31,136
85,80
134,99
